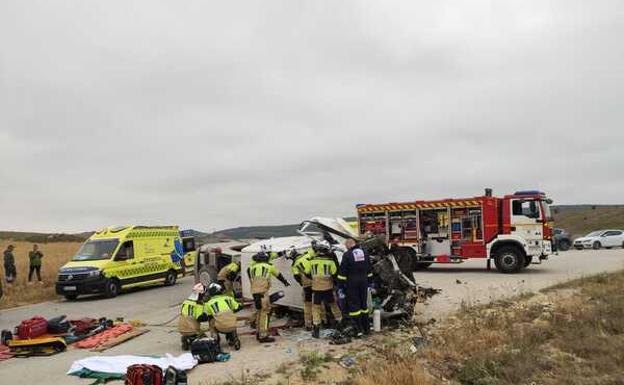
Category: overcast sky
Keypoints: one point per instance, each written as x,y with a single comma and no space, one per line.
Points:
218,114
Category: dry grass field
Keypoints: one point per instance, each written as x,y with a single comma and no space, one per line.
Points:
21,293
571,333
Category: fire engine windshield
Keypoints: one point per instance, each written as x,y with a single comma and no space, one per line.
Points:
547,212
96,250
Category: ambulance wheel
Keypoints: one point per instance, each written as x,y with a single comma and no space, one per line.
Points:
112,288
71,297
509,260
171,278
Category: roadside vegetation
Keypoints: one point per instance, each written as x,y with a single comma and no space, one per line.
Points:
580,220
570,334
20,293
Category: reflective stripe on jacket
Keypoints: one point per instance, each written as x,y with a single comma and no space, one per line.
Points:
323,271
192,309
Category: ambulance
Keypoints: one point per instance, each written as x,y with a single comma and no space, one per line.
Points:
117,258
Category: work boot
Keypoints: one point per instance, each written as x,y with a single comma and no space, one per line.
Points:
316,332
365,323
266,339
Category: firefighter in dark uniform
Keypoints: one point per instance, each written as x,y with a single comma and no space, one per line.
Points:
259,273
323,268
355,274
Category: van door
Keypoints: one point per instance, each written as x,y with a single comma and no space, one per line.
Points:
526,222
190,252
126,267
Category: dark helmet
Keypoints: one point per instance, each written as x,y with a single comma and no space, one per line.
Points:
291,253
322,247
261,257
215,289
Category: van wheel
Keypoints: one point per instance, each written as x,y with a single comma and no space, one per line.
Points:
509,260
71,297
596,245
171,278
112,288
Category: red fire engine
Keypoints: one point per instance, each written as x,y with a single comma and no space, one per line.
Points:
514,231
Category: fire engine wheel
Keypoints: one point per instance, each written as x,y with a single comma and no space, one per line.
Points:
596,245
422,265
527,261
113,287
509,260
171,278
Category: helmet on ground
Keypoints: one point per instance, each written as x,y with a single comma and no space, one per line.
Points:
215,289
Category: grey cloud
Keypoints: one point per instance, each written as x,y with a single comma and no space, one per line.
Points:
213,115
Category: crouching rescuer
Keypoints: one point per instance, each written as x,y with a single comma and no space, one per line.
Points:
354,276
260,273
323,269
191,315
220,309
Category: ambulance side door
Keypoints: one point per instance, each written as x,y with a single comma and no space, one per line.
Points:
125,264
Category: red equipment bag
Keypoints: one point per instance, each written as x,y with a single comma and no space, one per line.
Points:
144,375
32,328
83,326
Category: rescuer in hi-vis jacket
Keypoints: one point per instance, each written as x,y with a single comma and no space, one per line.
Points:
301,270
220,309
323,270
260,272
228,275
191,315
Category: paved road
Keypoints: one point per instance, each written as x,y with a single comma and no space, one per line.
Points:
158,305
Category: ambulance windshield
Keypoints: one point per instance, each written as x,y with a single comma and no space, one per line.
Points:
94,250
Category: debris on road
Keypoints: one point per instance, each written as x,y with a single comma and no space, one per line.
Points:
347,362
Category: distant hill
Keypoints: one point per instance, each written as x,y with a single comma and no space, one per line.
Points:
582,219
577,219
259,232
44,237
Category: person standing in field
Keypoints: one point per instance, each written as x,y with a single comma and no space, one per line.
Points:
35,263
9,264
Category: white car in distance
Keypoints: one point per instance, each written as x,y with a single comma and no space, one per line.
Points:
600,239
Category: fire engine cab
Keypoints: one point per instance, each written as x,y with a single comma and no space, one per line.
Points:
513,231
